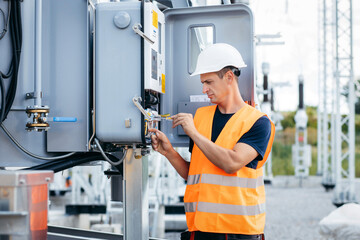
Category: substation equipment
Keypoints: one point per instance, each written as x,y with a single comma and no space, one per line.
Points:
301,151
266,106
337,92
83,81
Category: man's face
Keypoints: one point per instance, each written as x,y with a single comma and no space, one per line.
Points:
216,88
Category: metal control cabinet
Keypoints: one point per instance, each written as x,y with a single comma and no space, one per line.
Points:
130,58
118,72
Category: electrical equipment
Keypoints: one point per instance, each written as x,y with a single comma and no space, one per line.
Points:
129,71
121,50
112,86
24,204
301,151
154,48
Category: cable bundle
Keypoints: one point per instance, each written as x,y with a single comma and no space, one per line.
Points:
14,20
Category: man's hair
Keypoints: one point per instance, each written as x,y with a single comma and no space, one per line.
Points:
223,71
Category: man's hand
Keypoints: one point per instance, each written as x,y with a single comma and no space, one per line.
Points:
160,142
186,121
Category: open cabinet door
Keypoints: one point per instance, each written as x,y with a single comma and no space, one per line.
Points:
188,31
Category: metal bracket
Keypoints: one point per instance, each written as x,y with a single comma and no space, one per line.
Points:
33,95
137,30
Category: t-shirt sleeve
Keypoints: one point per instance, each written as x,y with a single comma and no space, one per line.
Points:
191,145
258,136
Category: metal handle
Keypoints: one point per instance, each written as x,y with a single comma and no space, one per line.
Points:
136,101
137,30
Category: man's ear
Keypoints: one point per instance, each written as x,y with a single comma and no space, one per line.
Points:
229,76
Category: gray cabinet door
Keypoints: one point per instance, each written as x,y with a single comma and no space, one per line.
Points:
188,30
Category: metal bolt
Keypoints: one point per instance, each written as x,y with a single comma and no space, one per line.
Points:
22,181
47,179
5,192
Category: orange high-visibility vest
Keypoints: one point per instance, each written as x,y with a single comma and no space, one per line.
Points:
219,202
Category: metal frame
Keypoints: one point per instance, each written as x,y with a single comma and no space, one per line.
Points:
301,154
326,141
60,233
319,170
136,199
344,107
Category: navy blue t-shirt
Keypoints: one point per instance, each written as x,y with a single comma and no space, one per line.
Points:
257,137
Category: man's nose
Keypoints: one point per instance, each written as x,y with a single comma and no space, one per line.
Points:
205,89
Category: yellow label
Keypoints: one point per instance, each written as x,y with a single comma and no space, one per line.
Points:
163,83
155,19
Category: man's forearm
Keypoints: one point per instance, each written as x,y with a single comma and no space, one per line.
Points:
180,165
220,157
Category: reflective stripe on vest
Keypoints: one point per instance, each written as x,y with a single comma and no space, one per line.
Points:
225,208
190,206
226,180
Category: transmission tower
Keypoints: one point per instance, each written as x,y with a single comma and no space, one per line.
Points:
326,117
344,104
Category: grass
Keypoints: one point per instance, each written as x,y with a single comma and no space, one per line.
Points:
282,155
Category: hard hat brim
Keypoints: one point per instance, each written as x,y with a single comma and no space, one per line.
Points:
202,71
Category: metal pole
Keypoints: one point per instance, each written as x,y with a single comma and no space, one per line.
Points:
351,85
136,202
325,114
38,53
328,148
345,105
320,107
266,108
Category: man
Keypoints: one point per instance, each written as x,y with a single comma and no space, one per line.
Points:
225,196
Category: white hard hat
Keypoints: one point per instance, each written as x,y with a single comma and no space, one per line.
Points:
217,56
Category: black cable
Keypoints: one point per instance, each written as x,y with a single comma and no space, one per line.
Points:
2,88
9,74
75,160
11,68
16,40
51,163
13,61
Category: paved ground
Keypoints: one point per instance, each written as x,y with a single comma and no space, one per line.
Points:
293,212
